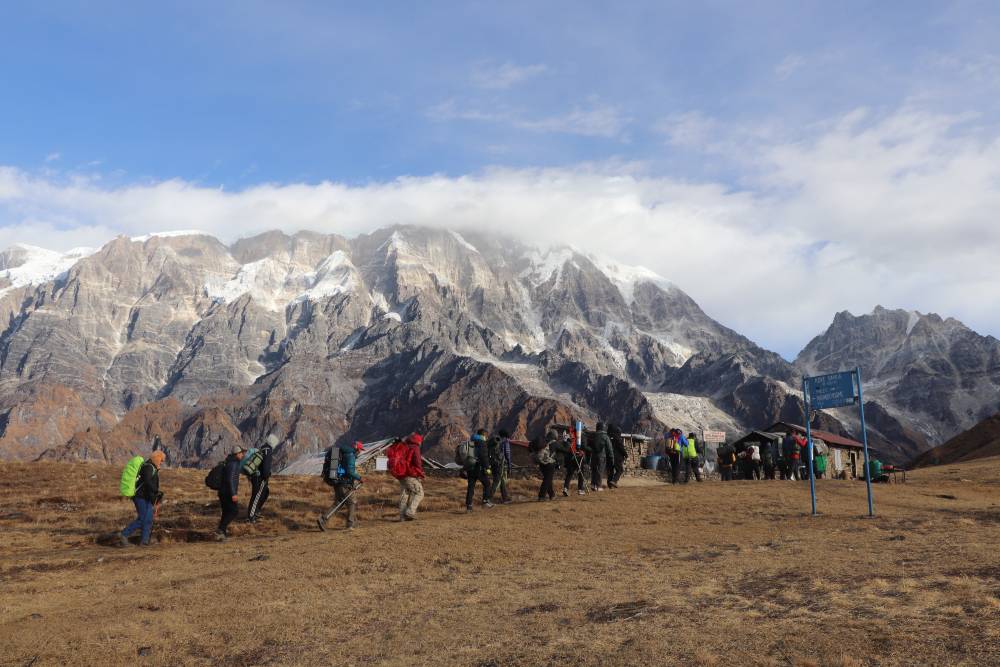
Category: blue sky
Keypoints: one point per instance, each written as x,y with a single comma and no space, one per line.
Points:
821,136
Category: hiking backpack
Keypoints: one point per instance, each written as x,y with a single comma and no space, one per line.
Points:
252,461
397,460
331,462
465,455
130,476
216,476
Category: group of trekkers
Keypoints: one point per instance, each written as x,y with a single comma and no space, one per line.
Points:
485,461
770,460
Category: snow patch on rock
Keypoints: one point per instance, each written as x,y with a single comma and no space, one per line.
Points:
167,235
462,242
23,265
625,278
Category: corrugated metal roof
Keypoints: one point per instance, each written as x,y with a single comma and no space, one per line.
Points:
825,436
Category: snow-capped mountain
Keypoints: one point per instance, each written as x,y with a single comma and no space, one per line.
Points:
317,337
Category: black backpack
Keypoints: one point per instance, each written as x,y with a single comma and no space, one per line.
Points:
331,461
215,476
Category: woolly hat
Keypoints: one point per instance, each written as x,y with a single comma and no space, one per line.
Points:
272,440
157,457
238,450
415,439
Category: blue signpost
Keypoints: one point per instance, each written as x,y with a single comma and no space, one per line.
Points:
835,390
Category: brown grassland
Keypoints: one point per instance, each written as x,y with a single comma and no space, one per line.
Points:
649,574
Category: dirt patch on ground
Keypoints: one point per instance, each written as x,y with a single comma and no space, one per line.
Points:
710,574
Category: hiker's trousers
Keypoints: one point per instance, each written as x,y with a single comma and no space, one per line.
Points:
691,466
230,511
478,474
143,519
596,470
259,493
341,491
410,494
548,470
574,468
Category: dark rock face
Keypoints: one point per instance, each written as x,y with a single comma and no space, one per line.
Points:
928,378
180,340
981,441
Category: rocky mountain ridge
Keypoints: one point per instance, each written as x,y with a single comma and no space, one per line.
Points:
319,338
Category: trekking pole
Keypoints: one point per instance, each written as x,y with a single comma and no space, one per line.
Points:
321,522
579,470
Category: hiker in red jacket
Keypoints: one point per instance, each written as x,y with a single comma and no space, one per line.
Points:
407,465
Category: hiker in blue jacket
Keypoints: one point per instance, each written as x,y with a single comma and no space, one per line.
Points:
348,481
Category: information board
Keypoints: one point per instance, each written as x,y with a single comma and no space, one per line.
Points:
832,391
713,436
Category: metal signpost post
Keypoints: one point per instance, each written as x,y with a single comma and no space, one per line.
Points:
864,434
835,390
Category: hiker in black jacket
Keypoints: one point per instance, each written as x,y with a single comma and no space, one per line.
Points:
616,464
480,472
147,497
229,492
259,490
572,461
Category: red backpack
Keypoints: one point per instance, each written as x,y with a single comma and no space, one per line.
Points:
397,460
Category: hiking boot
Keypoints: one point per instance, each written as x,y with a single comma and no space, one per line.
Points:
612,485
409,517
600,488
487,504
123,541
220,537
468,509
581,492
566,492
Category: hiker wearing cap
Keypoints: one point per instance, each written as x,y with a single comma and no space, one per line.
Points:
407,465
500,462
229,492
348,481
146,499
543,452
478,470
260,474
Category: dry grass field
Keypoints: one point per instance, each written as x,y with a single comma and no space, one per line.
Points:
703,574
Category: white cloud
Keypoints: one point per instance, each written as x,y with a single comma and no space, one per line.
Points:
692,129
52,157
492,76
789,65
593,120
899,210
